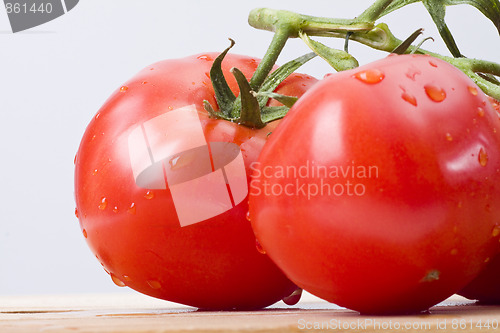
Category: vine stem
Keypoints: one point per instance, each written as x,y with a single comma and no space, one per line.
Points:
363,30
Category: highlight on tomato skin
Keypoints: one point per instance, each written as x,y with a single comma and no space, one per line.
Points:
378,190
136,212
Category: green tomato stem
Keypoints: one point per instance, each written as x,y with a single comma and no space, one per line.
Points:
375,11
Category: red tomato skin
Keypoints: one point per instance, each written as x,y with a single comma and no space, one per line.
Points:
485,287
423,222
135,232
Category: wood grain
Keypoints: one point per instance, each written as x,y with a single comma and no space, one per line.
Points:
135,313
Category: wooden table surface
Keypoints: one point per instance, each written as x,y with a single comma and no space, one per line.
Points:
135,313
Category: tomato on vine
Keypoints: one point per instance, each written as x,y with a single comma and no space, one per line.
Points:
161,186
379,189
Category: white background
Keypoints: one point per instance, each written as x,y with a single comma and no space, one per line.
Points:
54,78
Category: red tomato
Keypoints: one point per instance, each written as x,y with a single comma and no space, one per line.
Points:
485,287
379,189
161,189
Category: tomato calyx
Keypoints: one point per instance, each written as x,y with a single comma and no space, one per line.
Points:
250,108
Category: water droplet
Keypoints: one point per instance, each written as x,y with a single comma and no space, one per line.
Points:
432,275
454,252
84,232
94,172
154,284
449,137
173,162
149,195
127,278
97,115
115,209
327,75
473,90
480,112
205,57
432,63
412,73
409,98
259,247
435,93
76,212
131,209
248,216
370,76
123,89
103,204
294,297
483,157
117,281
74,160
144,82
496,231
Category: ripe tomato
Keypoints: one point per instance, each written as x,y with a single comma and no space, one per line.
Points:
485,287
161,189
379,189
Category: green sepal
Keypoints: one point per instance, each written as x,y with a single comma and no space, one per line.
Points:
280,74
250,114
287,101
403,47
223,94
338,59
271,113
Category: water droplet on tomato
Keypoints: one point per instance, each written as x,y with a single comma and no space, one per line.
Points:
94,172
154,284
115,209
432,63
294,297
84,232
205,57
97,115
412,73
248,216
483,157
472,90
117,281
123,89
496,231
76,212
327,75
370,76
480,112
435,93
409,98
103,204
149,195
127,278
144,82
173,162
449,137
131,209
259,247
